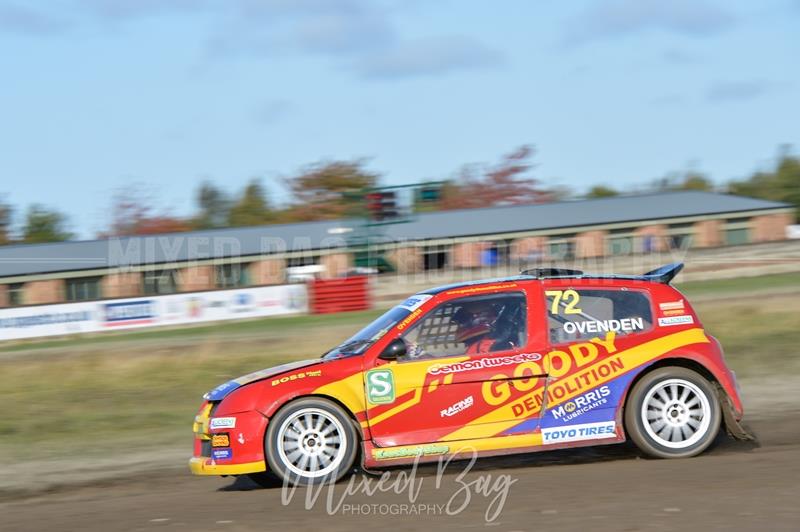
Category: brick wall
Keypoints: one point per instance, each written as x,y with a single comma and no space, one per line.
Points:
335,264
468,254
708,233
195,278
771,227
406,259
40,292
268,271
590,244
528,249
658,235
127,284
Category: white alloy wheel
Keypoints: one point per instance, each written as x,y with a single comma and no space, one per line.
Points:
676,413
311,443
672,412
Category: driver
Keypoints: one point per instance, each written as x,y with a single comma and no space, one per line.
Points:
476,324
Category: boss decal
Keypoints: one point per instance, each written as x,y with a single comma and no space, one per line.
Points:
302,375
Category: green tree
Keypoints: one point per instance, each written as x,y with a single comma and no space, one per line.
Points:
696,181
5,223
44,225
780,184
329,190
252,208
601,191
214,207
687,180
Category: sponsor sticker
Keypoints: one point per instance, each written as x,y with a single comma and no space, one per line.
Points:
410,452
581,404
380,386
675,320
302,375
222,423
129,312
481,363
458,407
481,288
587,431
625,325
414,302
221,454
220,440
671,305
408,319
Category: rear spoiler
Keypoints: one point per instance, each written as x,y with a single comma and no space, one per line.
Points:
662,275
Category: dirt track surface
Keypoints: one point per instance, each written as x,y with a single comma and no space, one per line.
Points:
735,486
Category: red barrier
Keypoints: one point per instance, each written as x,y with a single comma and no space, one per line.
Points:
338,295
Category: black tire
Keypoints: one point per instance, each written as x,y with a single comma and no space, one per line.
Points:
310,441
672,412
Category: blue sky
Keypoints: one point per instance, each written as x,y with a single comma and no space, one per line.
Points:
97,95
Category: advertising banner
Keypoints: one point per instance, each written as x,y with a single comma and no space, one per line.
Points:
131,313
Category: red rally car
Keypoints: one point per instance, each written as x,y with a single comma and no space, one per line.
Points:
549,359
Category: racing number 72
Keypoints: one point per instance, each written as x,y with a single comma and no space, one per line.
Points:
569,298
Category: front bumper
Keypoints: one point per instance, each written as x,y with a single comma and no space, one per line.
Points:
242,447
206,466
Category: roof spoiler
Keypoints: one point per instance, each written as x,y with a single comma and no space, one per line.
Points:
664,274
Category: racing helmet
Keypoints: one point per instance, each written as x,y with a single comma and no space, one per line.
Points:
474,321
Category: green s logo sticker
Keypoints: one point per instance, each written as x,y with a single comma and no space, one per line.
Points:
380,386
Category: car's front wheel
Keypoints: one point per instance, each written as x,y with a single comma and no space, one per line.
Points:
310,441
672,412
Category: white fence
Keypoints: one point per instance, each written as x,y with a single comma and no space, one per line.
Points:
139,312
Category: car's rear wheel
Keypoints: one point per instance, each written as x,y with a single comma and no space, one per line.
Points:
310,441
672,412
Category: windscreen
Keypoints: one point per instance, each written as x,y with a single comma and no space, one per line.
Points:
359,342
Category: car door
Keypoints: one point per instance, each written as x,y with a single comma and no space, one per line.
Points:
469,356
588,326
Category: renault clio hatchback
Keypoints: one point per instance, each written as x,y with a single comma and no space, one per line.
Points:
548,359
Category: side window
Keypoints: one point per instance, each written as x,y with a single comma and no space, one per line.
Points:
583,314
469,325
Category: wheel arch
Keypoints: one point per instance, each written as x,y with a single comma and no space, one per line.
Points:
683,362
362,431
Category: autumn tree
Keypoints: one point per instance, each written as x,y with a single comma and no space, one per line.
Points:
133,213
252,208
329,190
44,225
507,183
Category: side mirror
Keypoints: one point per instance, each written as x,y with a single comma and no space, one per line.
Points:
393,351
